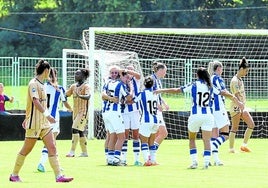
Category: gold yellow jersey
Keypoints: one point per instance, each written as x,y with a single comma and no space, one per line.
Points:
237,88
80,106
34,118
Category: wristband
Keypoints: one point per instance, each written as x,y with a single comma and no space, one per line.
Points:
46,113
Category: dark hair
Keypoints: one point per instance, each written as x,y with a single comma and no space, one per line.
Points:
243,63
41,66
203,74
124,73
158,65
53,75
148,82
85,72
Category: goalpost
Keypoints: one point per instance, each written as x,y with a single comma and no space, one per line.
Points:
183,51
98,64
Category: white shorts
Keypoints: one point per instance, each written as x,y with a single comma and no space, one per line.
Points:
203,121
221,119
132,120
146,129
114,122
55,127
160,119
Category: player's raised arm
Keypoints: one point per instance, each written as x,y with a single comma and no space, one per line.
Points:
168,90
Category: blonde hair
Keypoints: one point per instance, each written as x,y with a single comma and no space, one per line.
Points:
213,65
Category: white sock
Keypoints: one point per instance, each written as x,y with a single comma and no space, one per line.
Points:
44,156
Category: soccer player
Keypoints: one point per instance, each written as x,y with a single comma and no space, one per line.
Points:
113,76
131,117
149,124
113,115
37,124
3,99
81,95
201,113
55,94
220,131
237,88
160,71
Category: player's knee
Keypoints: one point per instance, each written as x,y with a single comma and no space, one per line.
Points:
251,126
163,132
135,134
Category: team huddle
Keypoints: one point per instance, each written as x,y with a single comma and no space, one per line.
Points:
126,108
131,112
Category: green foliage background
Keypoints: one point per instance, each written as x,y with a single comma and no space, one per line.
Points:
44,27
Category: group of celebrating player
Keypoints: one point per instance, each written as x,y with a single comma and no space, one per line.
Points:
126,107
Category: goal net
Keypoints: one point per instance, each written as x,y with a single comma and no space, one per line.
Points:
183,51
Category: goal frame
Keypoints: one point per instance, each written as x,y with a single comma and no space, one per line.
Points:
89,41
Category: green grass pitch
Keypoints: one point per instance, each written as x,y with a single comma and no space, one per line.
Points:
239,170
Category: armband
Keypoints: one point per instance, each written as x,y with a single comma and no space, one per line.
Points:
46,113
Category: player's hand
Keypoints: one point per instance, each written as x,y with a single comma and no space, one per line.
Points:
160,108
11,99
166,107
51,119
114,99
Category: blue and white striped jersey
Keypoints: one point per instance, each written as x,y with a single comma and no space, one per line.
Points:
116,88
105,102
136,89
148,104
157,85
201,96
53,99
218,100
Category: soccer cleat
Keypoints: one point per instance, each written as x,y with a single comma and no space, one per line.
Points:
137,163
245,149
14,178
147,163
70,155
218,163
40,168
123,163
205,167
194,165
232,151
63,179
117,163
83,155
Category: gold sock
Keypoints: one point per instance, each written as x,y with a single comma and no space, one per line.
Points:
83,144
75,138
231,140
54,163
247,135
18,164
